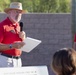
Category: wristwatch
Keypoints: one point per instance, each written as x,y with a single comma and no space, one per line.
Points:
10,46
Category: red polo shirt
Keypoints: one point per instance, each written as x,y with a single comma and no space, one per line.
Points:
9,35
75,38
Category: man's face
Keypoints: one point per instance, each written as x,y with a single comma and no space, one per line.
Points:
15,15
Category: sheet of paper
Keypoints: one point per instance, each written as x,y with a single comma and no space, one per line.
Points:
30,44
29,70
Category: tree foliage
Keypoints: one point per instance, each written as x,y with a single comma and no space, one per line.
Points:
4,4
40,6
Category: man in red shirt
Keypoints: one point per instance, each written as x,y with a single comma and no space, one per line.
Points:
11,39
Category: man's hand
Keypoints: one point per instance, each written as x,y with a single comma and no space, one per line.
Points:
18,45
22,35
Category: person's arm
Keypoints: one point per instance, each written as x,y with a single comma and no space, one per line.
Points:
17,45
4,47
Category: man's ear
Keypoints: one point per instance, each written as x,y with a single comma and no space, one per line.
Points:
9,12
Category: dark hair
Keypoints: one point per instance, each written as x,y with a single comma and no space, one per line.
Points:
64,61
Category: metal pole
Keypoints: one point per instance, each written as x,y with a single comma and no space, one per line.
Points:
73,18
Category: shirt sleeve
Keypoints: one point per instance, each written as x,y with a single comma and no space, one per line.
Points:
75,38
1,33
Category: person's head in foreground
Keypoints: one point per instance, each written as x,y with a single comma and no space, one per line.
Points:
64,62
15,11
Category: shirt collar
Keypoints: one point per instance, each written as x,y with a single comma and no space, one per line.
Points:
10,23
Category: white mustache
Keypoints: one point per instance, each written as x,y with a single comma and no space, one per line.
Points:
18,17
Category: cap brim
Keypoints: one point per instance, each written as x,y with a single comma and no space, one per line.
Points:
7,9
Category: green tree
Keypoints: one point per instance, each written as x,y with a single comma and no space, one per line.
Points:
53,6
4,4
64,6
40,6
